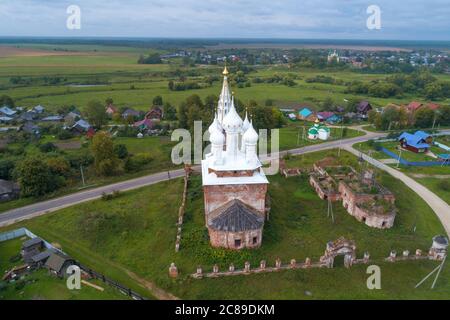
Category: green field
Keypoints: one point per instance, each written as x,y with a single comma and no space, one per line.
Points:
115,70
137,232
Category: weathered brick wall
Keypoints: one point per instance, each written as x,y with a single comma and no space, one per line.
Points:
321,193
227,238
252,194
384,221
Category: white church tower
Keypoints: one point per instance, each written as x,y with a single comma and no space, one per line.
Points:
234,184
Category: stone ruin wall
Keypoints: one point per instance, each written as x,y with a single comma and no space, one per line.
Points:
350,201
335,196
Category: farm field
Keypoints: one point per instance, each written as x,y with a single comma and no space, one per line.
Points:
113,72
136,231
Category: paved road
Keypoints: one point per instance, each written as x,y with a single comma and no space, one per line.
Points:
439,206
34,210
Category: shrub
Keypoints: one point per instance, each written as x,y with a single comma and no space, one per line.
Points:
47,147
64,134
137,161
444,185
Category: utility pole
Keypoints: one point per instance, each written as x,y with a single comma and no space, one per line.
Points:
82,176
399,157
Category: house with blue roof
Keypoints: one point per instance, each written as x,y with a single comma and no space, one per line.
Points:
334,119
305,113
418,142
7,111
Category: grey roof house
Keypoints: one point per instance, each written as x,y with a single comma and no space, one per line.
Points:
58,263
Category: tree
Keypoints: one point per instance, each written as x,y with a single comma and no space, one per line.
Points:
35,177
423,118
327,104
109,101
6,101
170,113
106,161
158,101
153,58
121,151
95,113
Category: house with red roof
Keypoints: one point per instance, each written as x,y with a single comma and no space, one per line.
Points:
413,106
433,106
111,109
155,114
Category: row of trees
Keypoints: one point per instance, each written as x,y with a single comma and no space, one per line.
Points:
398,118
419,82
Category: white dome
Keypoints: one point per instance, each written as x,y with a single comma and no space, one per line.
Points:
215,125
250,136
232,120
246,123
216,137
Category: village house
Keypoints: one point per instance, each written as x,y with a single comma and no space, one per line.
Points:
31,248
111,109
324,115
53,118
130,113
413,106
81,127
9,190
419,142
5,119
234,184
306,114
361,195
28,116
31,128
155,114
39,109
7,112
363,109
58,263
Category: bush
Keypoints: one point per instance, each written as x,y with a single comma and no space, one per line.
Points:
121,151
64,134
47,147
137,161
444,185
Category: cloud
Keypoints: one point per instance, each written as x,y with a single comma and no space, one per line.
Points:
413,19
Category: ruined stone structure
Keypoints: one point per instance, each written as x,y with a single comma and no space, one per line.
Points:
361,195
341,246
234,183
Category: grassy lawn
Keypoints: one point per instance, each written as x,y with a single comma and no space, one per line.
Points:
291,136
434,185
136,231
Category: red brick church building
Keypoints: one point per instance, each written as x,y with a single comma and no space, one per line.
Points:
234,183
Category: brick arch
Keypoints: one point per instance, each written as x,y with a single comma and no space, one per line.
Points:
339,247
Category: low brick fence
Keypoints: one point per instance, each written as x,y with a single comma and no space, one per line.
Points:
308,264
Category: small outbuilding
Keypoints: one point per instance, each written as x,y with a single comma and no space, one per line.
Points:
58,263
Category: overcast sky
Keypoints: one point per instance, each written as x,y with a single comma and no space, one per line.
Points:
332,19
